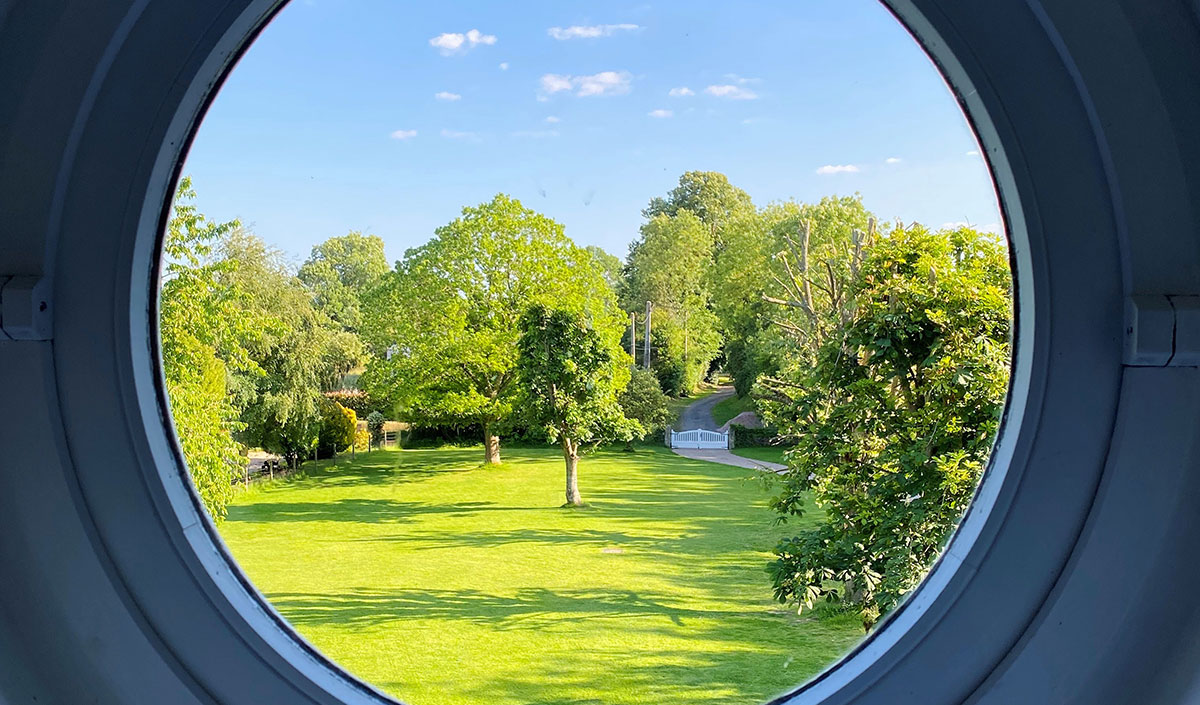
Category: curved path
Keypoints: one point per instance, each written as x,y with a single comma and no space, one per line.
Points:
698,414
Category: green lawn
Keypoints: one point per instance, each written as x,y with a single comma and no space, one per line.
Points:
442,582
771,454
728,408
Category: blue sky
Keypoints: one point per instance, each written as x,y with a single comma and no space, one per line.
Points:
333,119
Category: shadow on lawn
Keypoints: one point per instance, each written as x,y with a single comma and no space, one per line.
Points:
716,670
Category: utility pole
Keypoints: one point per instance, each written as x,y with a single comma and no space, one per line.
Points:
649,307
633,336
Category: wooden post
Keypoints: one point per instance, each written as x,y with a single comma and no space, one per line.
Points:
649,307
633,337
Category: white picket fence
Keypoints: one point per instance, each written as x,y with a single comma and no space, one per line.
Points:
699,438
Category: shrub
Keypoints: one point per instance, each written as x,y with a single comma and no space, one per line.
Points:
375,426
337,430
643,401
744,437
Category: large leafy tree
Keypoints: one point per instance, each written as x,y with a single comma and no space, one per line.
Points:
202,337
301,351
894,417
340,270
449,315
668,265
709,196
572,374
778,249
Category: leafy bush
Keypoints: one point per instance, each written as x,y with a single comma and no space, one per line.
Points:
337,430
354,399
744,437
894,421
643,401
375,423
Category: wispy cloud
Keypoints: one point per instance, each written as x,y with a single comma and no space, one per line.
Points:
552,119
536,134
681,92
894,160
456,135
589,31
447,95
838,169
503,65
403,134
454,43
973,153
603,83
731,92
660,113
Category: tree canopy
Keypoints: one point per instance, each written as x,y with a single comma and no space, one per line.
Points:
340,271
450,313
894,419
572,374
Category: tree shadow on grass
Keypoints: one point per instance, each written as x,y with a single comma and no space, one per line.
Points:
364,511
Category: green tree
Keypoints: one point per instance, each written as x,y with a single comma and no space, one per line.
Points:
779,248
668,265
300,350
609,265
573,373
448,316
201,336
643,401
375,421
706,194
340,271
894,420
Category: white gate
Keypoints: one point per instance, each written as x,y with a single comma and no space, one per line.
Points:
699,438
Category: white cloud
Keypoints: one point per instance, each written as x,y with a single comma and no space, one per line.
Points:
741,80
504,66
603,83
446,95
681,92
838,169
589,32
552,119
454,43
731,92
660,113
894,160
973,153
403,134
456,135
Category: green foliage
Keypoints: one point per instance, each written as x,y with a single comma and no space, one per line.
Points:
375,421
340,270
609,265
668,265
643,401
572,374
336,432
759,335
708,195
355,399
202,335
299,349
894,421
744,437
450,314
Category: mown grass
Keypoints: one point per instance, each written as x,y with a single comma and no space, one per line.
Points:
770,454
443,582
726,409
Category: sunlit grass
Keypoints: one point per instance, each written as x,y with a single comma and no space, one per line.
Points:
445,583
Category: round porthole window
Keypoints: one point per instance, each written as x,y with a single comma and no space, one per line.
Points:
120,588
446,431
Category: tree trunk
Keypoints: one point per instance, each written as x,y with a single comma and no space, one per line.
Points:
491,446
571,455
